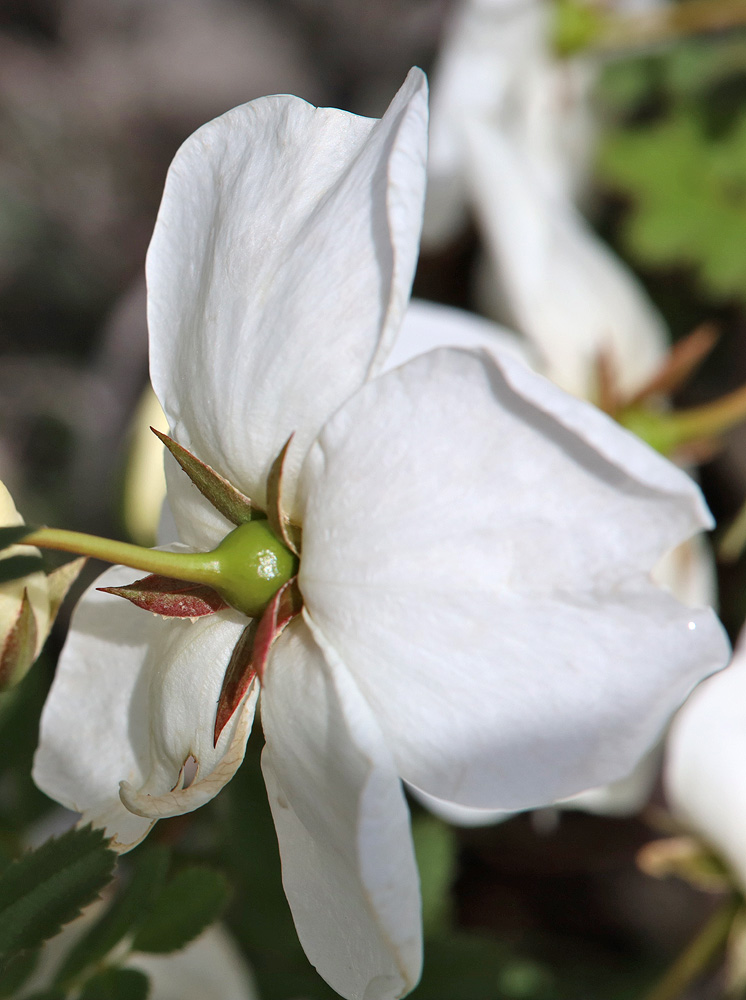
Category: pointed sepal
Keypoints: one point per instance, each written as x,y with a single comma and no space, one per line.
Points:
278,522
19,648
682,361
163,595
250,654
59,582
224,497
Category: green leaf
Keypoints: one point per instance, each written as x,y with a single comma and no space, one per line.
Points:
48,887
13,534
17,971
117,984
435,847
16,567
132,904
191,901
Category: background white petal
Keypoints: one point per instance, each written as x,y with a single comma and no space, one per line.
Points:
133,698
704,776
281,263
481,564
559,284
428,325
497,65
343,826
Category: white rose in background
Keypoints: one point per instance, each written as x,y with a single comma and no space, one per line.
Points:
209,968
478,615
704,776
497,66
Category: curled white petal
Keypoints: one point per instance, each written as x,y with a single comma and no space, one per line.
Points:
133,700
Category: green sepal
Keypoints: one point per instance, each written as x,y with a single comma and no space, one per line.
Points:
131,905
191,901
49,886
224,497
16,567
117,984
13,534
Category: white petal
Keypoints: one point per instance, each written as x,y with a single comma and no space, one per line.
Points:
280,266
428,325
482,564
563,288
347,860
133,698
688,571
704,776
451,812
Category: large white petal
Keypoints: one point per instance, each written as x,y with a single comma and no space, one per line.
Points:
347,860
429,325
704,776
477,547
280,265
562,287
133,698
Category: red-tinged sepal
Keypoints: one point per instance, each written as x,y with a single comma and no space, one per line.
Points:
19,649
170,598
224,497
249,657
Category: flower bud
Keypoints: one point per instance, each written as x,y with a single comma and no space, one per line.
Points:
24,608
28,604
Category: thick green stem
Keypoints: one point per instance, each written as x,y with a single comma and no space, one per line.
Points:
699,954
194,567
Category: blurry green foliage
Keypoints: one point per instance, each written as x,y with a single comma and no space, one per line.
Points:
678,154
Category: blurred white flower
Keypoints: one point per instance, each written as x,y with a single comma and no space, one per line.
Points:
208,968
478,616
511,138
704,776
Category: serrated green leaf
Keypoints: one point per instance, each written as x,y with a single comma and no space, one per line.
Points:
17,971
693,215
191,901
48,887
16,567
117,984
130,907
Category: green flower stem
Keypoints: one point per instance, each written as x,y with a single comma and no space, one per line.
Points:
699,954
247,568
194,567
